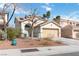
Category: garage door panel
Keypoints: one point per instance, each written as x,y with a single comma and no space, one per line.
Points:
50,33
76,34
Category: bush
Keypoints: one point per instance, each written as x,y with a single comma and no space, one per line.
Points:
18,32
48,39
11,33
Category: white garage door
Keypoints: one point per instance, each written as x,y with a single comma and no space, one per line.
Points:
76,34
50,32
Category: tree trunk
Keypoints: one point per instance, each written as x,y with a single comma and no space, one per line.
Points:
32,33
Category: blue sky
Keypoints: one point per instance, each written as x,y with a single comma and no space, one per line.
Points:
65,10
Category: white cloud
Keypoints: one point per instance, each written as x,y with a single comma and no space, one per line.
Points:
22,11
72,16
17,11
47,4
47,8
1,5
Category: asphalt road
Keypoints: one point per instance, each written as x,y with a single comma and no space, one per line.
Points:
68,54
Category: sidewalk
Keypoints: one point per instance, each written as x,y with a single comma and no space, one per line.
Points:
42,51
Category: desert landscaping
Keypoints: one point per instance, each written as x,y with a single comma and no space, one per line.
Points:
23,43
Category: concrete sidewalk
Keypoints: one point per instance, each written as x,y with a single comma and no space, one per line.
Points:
43,51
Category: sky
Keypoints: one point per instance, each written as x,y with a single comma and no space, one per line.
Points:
69,11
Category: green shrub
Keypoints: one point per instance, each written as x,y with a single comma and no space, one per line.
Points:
11,33
18,32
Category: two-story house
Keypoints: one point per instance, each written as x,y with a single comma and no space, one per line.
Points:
69,28
42,28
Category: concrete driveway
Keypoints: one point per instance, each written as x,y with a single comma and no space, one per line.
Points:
69,41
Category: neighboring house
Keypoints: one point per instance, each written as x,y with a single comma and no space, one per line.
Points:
3,20
42,28
5,15
69,29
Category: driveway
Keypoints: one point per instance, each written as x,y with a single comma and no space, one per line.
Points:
69,41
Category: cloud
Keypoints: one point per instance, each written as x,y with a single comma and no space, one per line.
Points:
1,5
22,11
47,8
17,11
72,16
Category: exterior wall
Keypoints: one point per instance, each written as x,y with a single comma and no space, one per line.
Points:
76,34
63,23
6,18
66,32
23,31
50,26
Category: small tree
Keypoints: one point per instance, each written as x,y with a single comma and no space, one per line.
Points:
57,19
47,15
33,22
44,15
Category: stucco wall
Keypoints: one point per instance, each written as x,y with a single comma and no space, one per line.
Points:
66,32
75,34
50,25
6,18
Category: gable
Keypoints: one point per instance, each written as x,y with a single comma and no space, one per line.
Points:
50,25
35,24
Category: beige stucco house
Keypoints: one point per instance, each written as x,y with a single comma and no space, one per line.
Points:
42,28
69,28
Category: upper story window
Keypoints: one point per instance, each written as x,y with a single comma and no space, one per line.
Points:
77,25
21,18
70,22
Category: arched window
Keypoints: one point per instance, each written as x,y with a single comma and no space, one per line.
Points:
27,26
